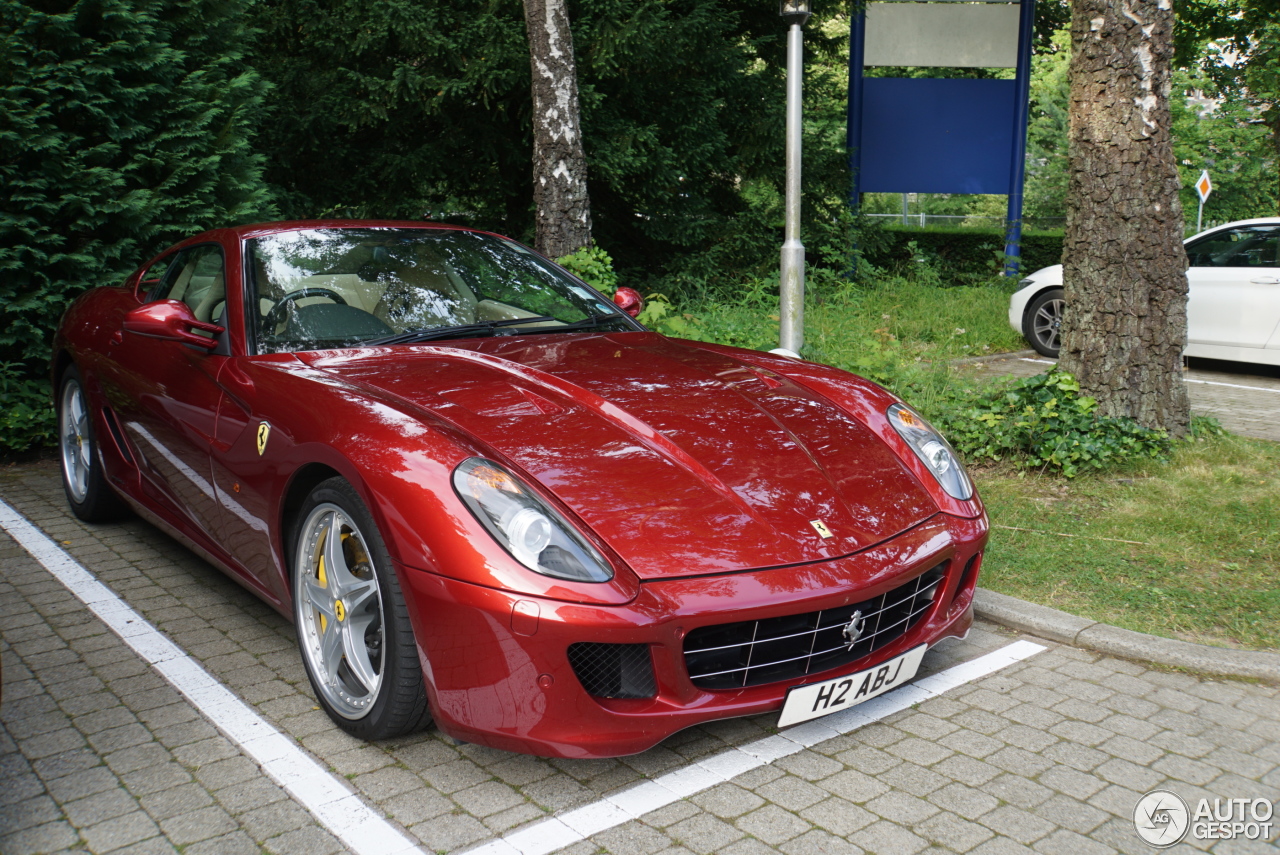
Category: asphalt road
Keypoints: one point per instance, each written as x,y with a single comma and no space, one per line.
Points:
1244,398
1008,744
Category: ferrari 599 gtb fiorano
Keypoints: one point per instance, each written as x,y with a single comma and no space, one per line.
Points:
487,496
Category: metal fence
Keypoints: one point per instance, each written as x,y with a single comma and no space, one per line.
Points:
970,221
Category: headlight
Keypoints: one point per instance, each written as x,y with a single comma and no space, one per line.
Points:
932,449
533,533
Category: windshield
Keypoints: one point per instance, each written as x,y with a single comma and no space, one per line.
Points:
327,288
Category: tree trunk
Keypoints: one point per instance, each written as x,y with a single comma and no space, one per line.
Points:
559,164
1124,269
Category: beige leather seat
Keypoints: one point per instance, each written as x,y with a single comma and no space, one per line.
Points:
206,301
423,298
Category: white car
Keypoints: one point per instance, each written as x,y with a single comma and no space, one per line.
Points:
1234,307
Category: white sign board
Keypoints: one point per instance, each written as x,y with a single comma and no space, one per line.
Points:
952,35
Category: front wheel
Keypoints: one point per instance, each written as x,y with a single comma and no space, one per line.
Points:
352,623
1043,324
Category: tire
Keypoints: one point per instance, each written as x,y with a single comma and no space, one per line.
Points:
353,627
1042,324
90,496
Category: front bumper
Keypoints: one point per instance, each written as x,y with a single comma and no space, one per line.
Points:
1031,287
498,671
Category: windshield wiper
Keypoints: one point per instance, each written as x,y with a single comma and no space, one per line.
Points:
459,331
585,323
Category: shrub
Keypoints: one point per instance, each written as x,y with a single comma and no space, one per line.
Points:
592,265
963,256
26,411
1044,422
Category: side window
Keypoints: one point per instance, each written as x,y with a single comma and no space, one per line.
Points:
1249,246
197,278
149,284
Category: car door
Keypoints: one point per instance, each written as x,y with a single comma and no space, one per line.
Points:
165,393
1234,277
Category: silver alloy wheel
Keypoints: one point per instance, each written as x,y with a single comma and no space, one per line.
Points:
1046,325
339,611
74,440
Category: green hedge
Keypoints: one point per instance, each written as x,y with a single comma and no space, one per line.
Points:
124,126
963,255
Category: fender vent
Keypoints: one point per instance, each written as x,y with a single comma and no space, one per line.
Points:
117,436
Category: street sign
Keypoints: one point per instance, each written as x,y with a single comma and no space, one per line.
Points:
1204,186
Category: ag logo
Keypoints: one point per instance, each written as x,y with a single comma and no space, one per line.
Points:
264,432
1161,818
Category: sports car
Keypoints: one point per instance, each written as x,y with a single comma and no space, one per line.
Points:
1233,302
487,496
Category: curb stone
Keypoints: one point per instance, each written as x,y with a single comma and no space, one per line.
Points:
1067,628
995,357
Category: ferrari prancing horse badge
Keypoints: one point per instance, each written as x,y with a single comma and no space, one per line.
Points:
821,528
264,431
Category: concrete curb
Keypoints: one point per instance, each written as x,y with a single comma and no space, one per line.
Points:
995,357
1060,626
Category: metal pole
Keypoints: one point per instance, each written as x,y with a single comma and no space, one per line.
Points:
1200,216
1017,161
853,125
853,129
791,333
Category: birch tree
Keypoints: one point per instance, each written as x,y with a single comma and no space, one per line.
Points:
1124,269
563,218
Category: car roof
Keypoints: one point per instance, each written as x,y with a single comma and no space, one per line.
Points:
258,229
1259,221
252,230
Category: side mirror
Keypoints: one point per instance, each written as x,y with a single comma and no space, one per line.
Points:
629,300
172,321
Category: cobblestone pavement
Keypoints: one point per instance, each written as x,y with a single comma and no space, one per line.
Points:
1245,403
98,753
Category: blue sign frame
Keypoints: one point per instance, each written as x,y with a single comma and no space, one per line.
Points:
936,135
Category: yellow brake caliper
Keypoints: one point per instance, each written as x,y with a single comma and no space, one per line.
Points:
320,577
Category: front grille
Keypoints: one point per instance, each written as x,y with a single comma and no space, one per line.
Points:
613,670
750,653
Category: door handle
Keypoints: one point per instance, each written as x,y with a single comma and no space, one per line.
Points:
1266,280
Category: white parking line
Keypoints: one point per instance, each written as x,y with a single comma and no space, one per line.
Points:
1184,379
568,828
359,827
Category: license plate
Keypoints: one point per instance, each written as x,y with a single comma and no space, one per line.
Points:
819,699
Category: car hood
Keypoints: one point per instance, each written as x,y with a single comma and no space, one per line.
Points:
685,462
1053,271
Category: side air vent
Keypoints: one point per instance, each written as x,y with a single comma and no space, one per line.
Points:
613,670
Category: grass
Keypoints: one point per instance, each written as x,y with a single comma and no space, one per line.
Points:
915,321
899,333
1205,526
1205,532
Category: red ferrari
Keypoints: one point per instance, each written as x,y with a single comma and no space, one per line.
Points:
487,496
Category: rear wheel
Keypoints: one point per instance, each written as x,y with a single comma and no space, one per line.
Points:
88,493
352,623
1043,324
